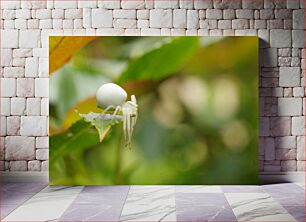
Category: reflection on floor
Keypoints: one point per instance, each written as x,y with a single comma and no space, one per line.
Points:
39,202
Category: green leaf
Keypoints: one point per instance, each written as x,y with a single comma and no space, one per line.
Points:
102,122
62,48
161,61
67,92
78,137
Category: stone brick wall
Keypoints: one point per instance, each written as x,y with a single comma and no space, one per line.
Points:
25,26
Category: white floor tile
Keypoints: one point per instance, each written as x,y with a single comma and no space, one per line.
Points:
198,189
47,205
257,207
149,203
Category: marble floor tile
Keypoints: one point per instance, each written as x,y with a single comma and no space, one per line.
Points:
242,189
22,187
14,194
14,198
298,212
198,189
289,199
301,185
97,204
106,189
47,205
257,207
282,188
203,207
149,203
6,210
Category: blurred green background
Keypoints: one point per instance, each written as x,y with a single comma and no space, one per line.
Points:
198,112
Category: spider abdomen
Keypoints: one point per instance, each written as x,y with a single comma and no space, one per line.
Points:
110,94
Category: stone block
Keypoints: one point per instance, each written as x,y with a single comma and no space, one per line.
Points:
288,165
214,14
58,13
298,19
289,76
143,14
109,4
25,87
240,24
73,13
65,4
8,87
270,57
13,125
264,126
5,106
298,92
285,154
125,23
289,106
285,142
280,38
9,38
42,154
142,23
3,131
192,19
102,18
165,4
203,4
280,126
124,14
42,142
34,126
283,14
19,148
18,106
31,67
18,166
301,148
245,14
34,165
160,18
41,87
87,4
43,13
20,23
301,166
10,4
298,38
29,38
179,18
298,125
33,106
13,72
6,57
227,4
186,4
269,149
45,165
293,4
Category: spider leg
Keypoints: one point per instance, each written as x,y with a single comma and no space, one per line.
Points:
124,119
128,116
118,108
107,108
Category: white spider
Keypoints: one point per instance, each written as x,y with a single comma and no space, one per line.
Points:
111,96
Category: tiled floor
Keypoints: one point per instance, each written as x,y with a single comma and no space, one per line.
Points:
39,202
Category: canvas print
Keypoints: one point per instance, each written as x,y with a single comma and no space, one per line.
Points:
153,110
